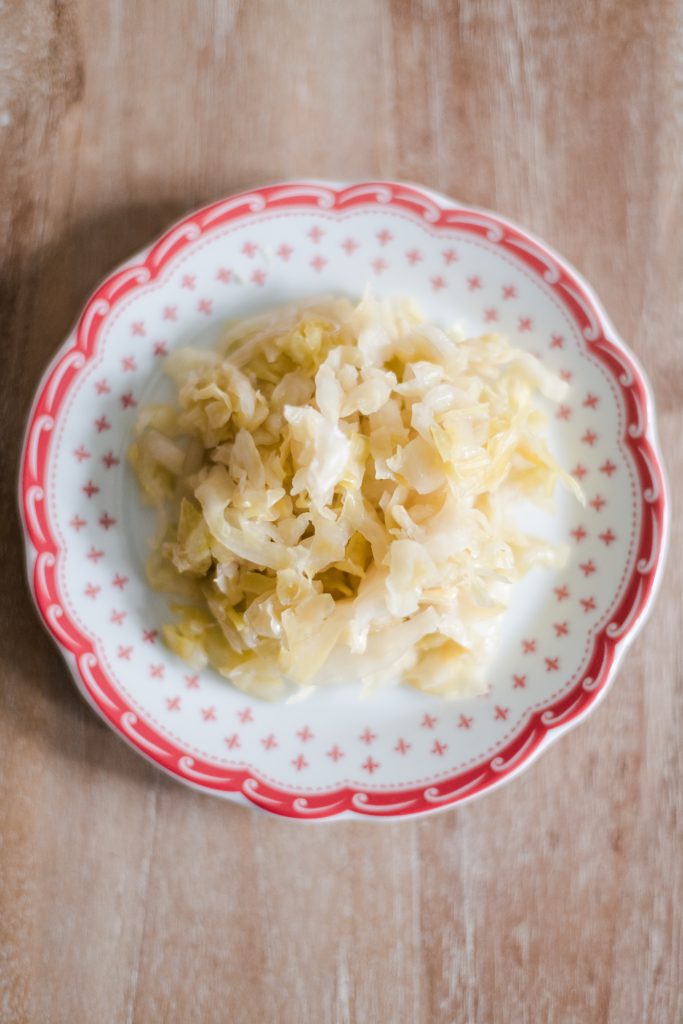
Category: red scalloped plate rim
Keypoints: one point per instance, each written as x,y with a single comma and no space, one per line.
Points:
542,726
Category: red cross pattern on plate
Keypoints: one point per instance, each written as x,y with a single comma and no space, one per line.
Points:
291,758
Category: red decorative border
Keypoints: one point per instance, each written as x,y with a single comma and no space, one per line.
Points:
601,341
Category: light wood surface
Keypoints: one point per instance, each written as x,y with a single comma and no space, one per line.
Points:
127,898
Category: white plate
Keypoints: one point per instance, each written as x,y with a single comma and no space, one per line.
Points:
399,752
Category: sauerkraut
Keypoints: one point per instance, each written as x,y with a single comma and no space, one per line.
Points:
335,487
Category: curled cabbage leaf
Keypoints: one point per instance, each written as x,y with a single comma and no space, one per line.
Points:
335,486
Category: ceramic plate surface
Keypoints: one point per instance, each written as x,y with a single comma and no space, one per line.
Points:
398,752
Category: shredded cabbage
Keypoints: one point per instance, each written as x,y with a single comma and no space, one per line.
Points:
335,487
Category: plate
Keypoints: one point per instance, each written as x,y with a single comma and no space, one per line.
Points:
399,752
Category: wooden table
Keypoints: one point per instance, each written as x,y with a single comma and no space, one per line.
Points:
127,898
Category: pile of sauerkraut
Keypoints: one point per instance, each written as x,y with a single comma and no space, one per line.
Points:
336,486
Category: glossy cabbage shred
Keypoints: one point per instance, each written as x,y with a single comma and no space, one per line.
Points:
334,486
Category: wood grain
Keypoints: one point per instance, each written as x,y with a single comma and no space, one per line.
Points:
124,897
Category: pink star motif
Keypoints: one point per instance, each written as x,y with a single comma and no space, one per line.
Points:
119,581
82,454
474,282
92,591
588,604
598,502
173,703
305,734
587,568
402,746
318,262
563,413
561,628
349,246
501,714
300,762
138,328
124,653
578,534
384,237
94,555
102,388
590,401
224,275
552,664
428,721
249,249
269,742
437,283
607,537
209,714
160,348
117,617
557,341
509,291
608,468
525,323
128,364
192,682
589,438
335,753
102,424
77,523
156,671
449,256
370,765
413,256
109,460
127,400
245,716
379,266
106,521
205,306
439,748
284,252
149,636
170,312
465,722
490,315
528,646
316,233
232,741
367,736
519,682
562,593
566,375
188,281
579,471
258,277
